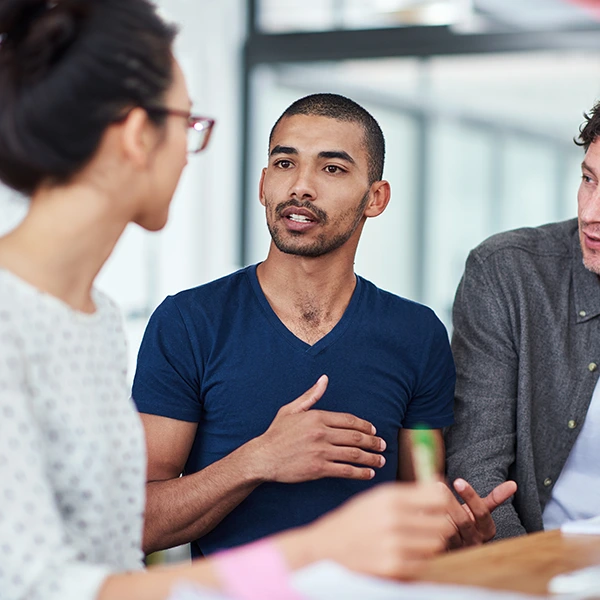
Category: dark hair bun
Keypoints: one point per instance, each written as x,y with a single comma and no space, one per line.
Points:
69,69
36,33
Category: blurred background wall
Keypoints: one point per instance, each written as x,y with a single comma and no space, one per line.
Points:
479,101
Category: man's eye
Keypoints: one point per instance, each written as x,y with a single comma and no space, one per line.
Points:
284,164
333,169
586,179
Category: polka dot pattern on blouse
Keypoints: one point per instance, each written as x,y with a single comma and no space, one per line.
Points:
72,456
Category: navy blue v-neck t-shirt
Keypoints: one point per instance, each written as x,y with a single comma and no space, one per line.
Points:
218,355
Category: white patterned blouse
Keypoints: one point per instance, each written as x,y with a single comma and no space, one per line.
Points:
72,455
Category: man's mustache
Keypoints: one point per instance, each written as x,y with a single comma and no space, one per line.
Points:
592,230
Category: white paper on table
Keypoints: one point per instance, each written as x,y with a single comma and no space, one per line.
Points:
330,581
583,581
586,526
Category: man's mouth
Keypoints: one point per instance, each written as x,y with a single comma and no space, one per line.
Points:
298,214
299,218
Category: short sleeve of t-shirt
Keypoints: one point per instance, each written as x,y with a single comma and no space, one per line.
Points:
167,379
433,401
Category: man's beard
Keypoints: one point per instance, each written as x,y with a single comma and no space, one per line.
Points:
321,245
591,263
594,267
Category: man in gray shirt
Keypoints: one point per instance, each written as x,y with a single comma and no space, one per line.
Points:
527,348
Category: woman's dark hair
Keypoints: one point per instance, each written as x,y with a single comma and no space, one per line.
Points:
68,69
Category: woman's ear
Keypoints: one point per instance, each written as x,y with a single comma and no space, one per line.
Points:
139,137
379,197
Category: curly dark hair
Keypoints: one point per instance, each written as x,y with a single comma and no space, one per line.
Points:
589,130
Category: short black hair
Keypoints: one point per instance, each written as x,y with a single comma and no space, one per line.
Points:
68,69
334,106
590,128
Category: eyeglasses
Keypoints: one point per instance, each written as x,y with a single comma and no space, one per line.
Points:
199,128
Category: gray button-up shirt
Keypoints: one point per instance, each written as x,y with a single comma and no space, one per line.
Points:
526,344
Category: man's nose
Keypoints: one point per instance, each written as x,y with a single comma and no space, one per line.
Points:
589,205
303,185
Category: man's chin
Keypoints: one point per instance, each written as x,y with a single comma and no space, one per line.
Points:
294,245
306,252
592,264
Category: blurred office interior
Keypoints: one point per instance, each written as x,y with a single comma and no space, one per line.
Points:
479,101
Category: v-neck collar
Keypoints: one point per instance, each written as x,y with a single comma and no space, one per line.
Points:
300,345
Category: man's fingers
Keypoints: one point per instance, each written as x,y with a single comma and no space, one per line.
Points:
464,524
455,510
309,398
478,506
451,532
484,523
355,456
500,494
347,421
357,439
347,472
452,535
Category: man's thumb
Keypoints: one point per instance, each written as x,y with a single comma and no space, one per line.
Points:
499,494
309,398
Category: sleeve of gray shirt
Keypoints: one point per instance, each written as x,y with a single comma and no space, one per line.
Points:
480,446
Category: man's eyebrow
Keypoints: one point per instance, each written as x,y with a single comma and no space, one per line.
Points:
337,154
587,167
283,150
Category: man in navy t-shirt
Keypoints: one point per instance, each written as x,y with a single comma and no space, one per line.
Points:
224,368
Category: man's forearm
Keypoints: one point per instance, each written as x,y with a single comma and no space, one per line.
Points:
299,445
181,510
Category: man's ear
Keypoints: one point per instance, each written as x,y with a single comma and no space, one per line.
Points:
138,137
261,187
379,197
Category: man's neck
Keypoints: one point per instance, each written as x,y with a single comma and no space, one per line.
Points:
309,295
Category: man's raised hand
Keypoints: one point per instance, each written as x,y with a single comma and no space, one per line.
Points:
472,522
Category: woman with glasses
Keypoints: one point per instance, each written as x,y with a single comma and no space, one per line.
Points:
95,127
